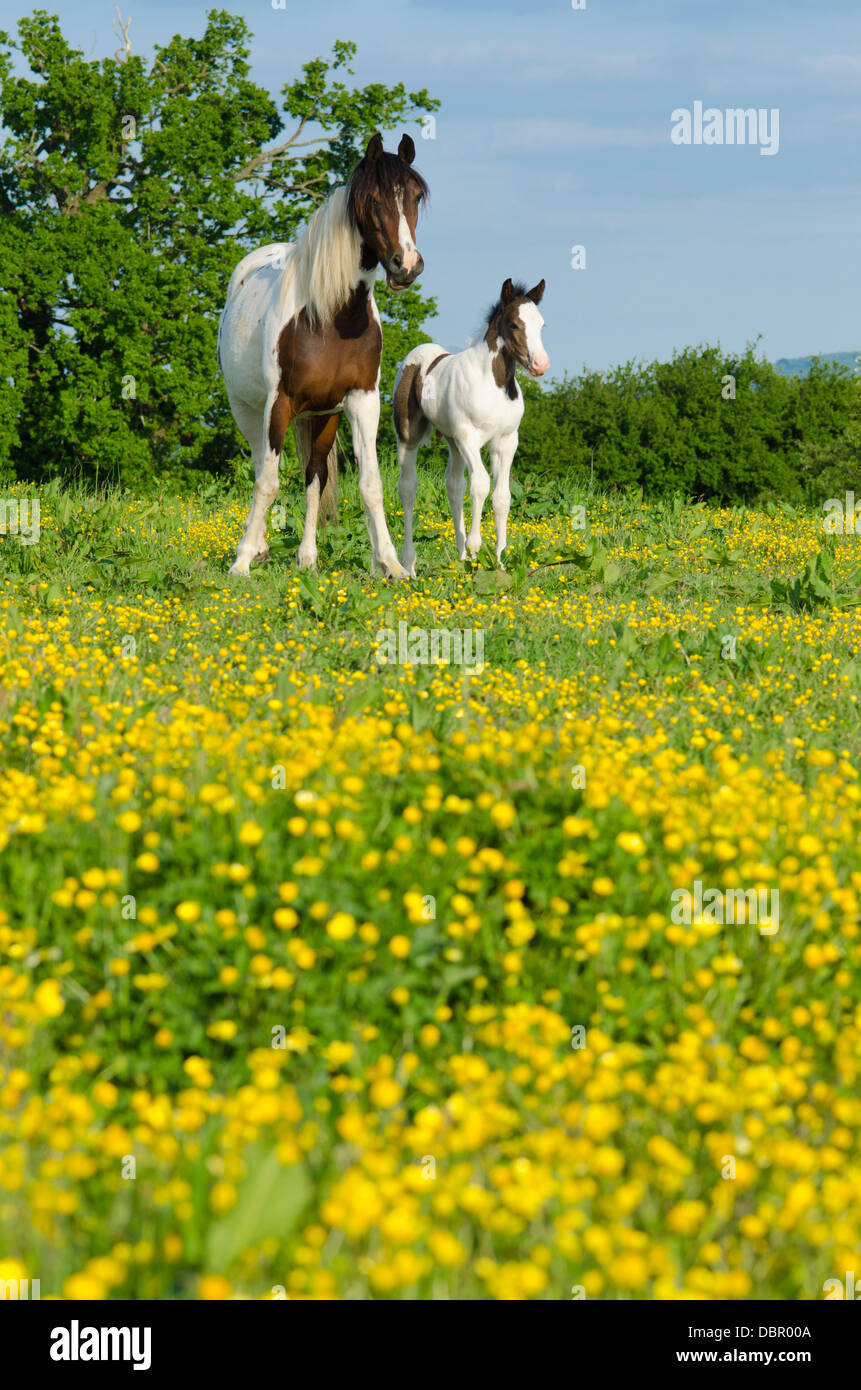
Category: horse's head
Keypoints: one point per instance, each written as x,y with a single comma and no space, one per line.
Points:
384,195
518,322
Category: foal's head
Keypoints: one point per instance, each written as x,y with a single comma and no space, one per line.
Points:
384,196
516,322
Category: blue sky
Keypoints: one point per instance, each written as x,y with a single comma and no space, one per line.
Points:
554,131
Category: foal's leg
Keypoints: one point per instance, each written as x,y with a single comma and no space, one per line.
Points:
255,426
407,488
454,486
322,435
363,412
502,453
479,487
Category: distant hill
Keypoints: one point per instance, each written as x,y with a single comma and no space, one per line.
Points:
800,366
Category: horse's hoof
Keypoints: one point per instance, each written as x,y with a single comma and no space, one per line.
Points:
397,571
306,562
239,567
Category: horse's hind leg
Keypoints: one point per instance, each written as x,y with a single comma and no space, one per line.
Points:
253,424
407,489
455,484
317,442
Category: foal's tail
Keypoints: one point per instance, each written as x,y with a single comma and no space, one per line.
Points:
329,495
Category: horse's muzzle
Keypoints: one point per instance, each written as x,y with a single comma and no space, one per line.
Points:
397,278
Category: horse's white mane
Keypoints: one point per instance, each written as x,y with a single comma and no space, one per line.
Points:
322,265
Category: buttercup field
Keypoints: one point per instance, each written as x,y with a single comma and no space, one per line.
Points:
355,980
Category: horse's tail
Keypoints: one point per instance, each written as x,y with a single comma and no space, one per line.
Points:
329,495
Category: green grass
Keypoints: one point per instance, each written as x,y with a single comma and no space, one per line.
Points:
221,815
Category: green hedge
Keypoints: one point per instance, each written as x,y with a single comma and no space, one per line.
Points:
669,427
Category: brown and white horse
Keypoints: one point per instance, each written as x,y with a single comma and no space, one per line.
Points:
300,341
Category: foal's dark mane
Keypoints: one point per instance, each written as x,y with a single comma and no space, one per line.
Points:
498,308
385,176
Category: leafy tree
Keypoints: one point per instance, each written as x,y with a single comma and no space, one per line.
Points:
128,191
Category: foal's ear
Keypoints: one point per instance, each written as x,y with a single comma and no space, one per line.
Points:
407,149
375,148
536,293
507,293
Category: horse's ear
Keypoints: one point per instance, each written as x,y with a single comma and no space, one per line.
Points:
375,148
407,149
507,292
535,294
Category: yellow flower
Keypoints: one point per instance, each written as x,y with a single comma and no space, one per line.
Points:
576,825
752,1227
400,946
223,1030
687,1217
222,1197
341,927
629,1270
385,1093
446,1249
250,833
84,1287
213,1288
503,815
48,999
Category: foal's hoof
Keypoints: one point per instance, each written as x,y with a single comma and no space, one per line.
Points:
239,567
306,561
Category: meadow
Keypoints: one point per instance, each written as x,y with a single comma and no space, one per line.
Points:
327,977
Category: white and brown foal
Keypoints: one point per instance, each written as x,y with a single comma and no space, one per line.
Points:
300,341
472,398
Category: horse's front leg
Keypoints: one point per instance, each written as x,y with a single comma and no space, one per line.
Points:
502,453
265,455
479,487
363,412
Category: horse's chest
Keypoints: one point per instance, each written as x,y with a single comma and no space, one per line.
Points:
484,406
318,367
